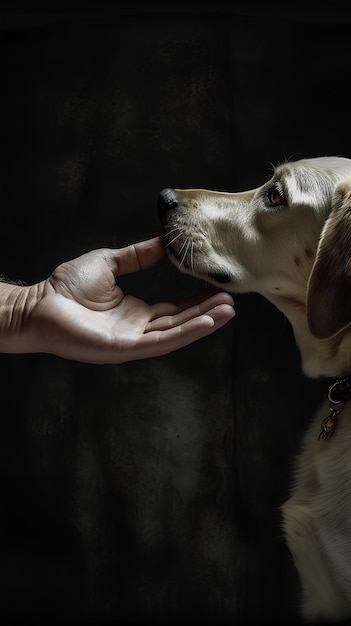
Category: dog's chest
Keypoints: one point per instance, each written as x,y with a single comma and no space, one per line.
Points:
324,482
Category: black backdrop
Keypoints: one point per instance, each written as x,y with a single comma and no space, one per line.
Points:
151,490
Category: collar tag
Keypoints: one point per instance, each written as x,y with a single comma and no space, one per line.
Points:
338,393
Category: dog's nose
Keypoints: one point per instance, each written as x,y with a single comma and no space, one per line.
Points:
167,201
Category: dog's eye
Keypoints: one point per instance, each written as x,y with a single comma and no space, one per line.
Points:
274,196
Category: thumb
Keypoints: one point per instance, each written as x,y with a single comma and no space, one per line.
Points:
136,257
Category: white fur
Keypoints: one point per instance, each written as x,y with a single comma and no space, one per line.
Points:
272,250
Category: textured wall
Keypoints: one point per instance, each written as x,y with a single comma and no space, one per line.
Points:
152,489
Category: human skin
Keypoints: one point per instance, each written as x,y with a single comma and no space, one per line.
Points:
80,313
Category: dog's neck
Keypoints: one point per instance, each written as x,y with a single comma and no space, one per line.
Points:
323,357
330,358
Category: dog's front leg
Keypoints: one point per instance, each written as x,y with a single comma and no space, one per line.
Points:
321,597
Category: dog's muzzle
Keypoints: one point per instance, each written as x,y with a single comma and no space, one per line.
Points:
169,200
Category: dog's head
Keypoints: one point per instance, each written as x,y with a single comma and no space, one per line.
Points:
289,240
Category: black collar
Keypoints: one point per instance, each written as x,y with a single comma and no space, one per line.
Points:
340,390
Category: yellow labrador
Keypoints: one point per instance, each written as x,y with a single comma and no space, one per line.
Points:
290,241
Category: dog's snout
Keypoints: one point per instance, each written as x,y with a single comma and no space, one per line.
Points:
167,201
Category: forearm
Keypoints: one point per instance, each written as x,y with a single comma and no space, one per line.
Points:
16,304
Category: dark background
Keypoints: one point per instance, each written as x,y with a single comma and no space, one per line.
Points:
151,490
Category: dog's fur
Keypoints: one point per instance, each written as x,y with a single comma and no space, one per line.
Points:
290,241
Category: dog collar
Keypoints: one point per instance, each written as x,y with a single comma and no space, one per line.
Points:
339,392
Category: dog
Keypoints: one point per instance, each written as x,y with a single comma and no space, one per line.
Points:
290,241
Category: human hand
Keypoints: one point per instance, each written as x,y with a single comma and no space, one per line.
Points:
80,313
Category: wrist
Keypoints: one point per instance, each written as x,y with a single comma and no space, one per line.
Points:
16,304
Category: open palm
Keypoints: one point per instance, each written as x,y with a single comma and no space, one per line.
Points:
82,314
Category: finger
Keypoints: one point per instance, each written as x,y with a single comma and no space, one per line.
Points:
202,297
171,315
160,342
221,314
136,257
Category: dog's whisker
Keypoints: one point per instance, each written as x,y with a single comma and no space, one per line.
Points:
172,240
185,253
185,243
173,230
192,256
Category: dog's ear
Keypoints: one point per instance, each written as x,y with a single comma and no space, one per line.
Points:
329,287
